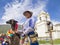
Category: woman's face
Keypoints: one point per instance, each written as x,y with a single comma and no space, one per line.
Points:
27,15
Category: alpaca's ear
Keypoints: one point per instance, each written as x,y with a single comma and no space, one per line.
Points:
8,22
15,21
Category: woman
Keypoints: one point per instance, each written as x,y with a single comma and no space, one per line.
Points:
28,28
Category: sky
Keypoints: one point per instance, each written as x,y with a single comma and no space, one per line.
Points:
13,9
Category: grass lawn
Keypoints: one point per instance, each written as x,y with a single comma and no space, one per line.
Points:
57,41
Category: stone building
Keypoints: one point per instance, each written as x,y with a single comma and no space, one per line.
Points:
41,26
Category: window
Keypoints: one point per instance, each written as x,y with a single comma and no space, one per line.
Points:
40,18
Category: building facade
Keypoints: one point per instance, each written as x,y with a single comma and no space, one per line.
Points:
41,26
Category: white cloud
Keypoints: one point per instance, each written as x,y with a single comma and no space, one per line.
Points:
15,9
